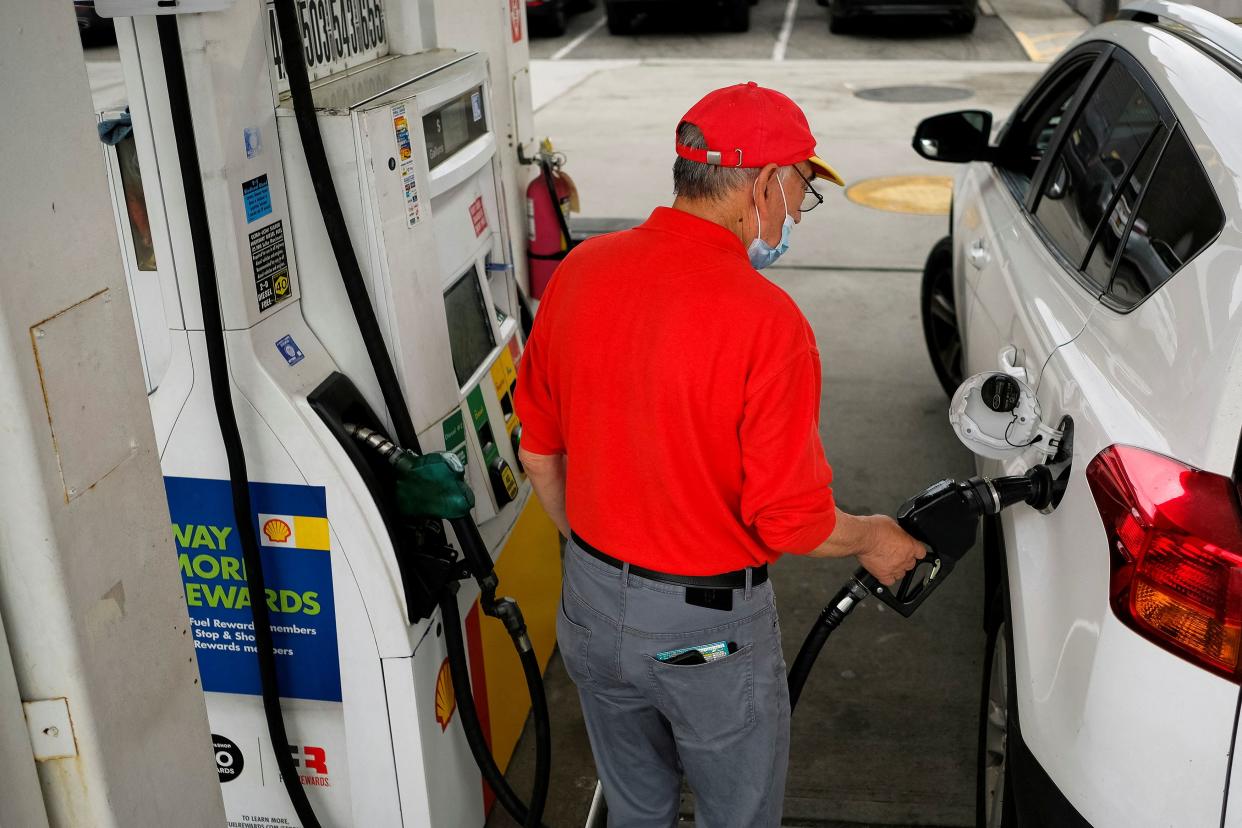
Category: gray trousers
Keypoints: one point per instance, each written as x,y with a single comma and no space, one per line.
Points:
725,724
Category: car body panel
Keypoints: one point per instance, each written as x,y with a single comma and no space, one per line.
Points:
1131,734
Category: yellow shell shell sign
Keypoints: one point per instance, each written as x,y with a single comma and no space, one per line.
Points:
446,702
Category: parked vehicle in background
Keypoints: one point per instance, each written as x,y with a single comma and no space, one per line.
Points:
733,15
92,27
844,14
549,18
1096,254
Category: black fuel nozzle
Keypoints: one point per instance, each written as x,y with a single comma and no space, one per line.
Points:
945,517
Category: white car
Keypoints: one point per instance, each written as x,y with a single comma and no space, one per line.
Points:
1096,252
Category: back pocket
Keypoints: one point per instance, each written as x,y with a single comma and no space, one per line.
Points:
575,642
710,702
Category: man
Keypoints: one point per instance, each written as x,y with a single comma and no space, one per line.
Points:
670,404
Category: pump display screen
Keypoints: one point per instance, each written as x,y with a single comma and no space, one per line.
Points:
454,125
470,333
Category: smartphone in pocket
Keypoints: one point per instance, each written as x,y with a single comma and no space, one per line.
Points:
699,654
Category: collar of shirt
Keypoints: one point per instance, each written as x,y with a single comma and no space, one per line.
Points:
695,229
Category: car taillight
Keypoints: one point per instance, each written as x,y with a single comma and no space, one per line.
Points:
1175,538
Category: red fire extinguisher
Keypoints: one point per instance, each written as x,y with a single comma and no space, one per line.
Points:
548,199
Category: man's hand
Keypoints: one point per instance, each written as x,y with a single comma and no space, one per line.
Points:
889,553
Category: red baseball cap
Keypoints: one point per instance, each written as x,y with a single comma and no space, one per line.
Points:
748,125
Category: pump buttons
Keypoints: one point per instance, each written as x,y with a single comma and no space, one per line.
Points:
504,484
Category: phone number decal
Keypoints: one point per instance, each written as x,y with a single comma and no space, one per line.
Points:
336,34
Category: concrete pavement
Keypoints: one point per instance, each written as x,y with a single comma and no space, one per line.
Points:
614,121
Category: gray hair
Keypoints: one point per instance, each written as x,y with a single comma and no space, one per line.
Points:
694,179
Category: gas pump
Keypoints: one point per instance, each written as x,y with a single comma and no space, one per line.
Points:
389,682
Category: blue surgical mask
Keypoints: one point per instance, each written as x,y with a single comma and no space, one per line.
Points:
761,253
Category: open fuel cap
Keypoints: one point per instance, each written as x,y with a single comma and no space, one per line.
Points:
997,415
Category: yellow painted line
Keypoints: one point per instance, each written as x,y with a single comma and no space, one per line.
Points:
925,195
1045,48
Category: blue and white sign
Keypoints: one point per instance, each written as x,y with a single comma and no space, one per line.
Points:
254,141
290,350
292,523
257,197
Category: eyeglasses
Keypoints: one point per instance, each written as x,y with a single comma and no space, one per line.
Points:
810,197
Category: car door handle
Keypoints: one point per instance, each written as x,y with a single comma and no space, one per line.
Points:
1010,359
977,254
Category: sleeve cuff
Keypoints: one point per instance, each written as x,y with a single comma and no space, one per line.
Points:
803,538
538,444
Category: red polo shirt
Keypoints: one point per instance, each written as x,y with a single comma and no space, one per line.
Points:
684,389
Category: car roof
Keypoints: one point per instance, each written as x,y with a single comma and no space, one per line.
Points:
1218,37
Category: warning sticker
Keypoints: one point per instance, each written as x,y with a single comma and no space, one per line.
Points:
409,186
271,265
402,127
515,19
257,197
478,215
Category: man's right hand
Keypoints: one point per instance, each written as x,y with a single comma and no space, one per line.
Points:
889,552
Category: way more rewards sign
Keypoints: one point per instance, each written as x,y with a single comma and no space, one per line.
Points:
291,525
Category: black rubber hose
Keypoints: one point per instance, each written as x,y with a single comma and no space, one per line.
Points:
469,716
217,365
334,223
830,617
543,736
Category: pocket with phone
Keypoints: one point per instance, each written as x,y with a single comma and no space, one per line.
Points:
698,654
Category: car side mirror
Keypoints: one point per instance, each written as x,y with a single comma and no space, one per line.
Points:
1058,181
955,137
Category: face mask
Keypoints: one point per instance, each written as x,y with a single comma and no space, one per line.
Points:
761,253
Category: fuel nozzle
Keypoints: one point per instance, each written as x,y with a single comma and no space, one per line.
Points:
945,517
431,485
1033,488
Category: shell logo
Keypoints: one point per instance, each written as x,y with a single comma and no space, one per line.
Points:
446,702
277,531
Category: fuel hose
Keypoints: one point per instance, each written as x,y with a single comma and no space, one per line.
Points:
221,392
477,558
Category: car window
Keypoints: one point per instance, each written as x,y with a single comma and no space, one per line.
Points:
1109,234
1100,149
1030,133
1178,217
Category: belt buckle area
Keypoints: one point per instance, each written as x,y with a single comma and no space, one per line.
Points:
710,598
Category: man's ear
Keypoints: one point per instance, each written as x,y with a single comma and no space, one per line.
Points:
765,179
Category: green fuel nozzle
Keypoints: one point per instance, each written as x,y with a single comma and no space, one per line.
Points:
429,485
434,486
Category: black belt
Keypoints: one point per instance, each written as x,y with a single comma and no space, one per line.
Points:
725,580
